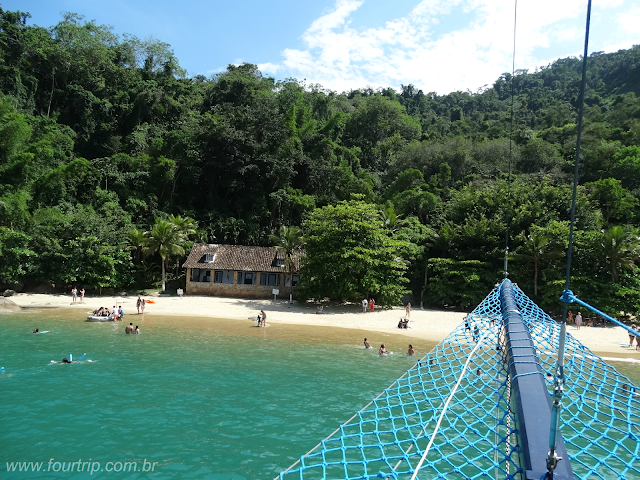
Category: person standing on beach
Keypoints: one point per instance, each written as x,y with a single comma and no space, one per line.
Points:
82,295
142,305
74,294
364,305
578,320
372,304
138,303
570,319
264,318
407,310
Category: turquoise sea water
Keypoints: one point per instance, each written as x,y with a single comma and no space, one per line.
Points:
204,399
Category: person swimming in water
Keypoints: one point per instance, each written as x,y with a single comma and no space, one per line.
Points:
66,360
382,351
36,331
410,351
366,344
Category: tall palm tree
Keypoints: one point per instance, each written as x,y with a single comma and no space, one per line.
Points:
620,249
185,225
287,242
164,238
137,240
534,251
234,228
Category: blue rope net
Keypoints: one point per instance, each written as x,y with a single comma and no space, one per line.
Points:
478,435
601,408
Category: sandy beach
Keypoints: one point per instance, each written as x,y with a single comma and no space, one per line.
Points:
431,325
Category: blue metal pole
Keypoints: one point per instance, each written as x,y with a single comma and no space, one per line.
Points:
558,389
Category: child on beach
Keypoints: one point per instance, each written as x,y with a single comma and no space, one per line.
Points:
579,320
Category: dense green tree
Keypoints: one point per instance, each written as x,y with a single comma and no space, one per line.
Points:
349,254
17,260
614,201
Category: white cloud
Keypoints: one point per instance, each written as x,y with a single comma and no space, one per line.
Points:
269,67
630,20
408,50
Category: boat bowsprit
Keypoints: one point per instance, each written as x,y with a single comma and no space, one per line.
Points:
100,318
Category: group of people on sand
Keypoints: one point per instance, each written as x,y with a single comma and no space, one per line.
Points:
129,330
403,323
74,295
368,305
105,312
383,349
578,320
140,305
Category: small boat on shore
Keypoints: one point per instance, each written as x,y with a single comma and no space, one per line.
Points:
100,318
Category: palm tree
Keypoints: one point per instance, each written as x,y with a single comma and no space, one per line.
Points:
389,216
164,238
287,242
534,251
185,225
620,248
234,228
137,240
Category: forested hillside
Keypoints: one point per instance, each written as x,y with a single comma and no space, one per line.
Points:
104,138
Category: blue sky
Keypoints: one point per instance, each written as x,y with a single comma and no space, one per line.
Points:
437,45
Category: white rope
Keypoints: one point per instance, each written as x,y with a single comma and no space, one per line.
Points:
280,475
446,404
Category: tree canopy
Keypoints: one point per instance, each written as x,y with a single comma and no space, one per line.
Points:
104,136
350,255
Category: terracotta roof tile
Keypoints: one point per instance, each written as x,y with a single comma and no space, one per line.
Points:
238,257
